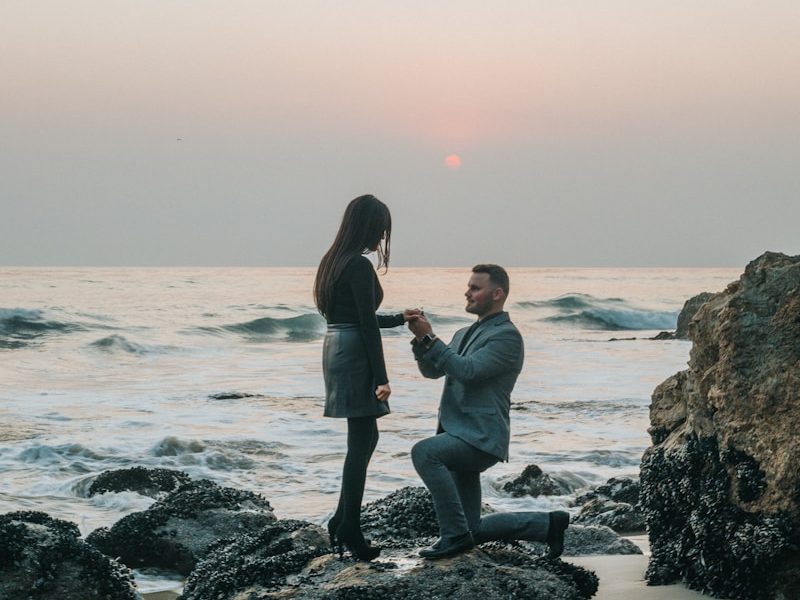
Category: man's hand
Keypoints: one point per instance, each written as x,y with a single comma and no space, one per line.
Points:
420,326
410,314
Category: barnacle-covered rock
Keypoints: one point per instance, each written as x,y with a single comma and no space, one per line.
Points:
266,559
179,529
403,518
154,483
249,568
719,486
43,558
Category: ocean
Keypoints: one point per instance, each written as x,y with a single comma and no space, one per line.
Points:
217,371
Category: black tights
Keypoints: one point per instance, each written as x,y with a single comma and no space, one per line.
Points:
362,437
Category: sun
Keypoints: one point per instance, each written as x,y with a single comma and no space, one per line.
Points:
452,161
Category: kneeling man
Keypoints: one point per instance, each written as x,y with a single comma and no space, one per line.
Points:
480,367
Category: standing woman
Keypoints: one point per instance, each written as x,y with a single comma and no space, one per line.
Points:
347,293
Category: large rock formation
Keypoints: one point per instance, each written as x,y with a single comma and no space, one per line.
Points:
44,558
720,486
178,530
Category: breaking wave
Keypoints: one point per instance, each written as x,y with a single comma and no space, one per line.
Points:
117,343
18,326
606,314
300,328
570,301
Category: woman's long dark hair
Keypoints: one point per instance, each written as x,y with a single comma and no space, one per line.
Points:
366,226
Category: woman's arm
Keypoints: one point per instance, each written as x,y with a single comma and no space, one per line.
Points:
395,320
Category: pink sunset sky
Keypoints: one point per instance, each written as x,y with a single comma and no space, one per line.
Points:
615,133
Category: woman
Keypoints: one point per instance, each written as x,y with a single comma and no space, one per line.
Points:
347,293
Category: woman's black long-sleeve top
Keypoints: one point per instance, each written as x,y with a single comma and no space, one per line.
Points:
357,294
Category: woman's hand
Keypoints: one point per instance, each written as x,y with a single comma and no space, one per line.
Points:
383,392
410,314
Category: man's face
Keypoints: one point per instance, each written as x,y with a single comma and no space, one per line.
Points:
479,294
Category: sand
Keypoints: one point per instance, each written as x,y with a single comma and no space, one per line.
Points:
622,576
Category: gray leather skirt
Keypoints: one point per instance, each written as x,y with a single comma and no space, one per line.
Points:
349,382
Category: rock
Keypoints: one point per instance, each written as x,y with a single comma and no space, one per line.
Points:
720,486
619,489
178,530
44,558
250,569
690,308
233,396
664,335
154,483
535,482
267,558
619,516
403,518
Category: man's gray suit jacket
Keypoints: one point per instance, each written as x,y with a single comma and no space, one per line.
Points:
476,399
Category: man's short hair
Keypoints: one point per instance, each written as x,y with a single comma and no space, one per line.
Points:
497,275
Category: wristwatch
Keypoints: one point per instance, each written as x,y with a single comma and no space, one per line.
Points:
427,340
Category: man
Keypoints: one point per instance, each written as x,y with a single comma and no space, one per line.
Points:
480,366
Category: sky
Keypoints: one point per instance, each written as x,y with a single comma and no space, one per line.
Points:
188,132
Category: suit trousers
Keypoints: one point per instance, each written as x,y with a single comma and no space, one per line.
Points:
451,469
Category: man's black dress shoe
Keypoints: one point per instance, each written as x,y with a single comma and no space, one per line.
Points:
444,549
559,521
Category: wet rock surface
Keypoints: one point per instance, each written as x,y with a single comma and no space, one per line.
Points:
493,572
619,516
613,504
154,483
178,530
720,487
44,558
535,482
618,489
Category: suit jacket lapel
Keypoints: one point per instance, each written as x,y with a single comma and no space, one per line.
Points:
483,330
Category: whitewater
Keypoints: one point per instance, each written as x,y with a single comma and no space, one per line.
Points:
217,372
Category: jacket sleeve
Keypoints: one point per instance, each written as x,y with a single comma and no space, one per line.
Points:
500,354
390,320
427,369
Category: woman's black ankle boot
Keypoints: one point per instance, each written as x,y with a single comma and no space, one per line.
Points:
333,525
354,541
